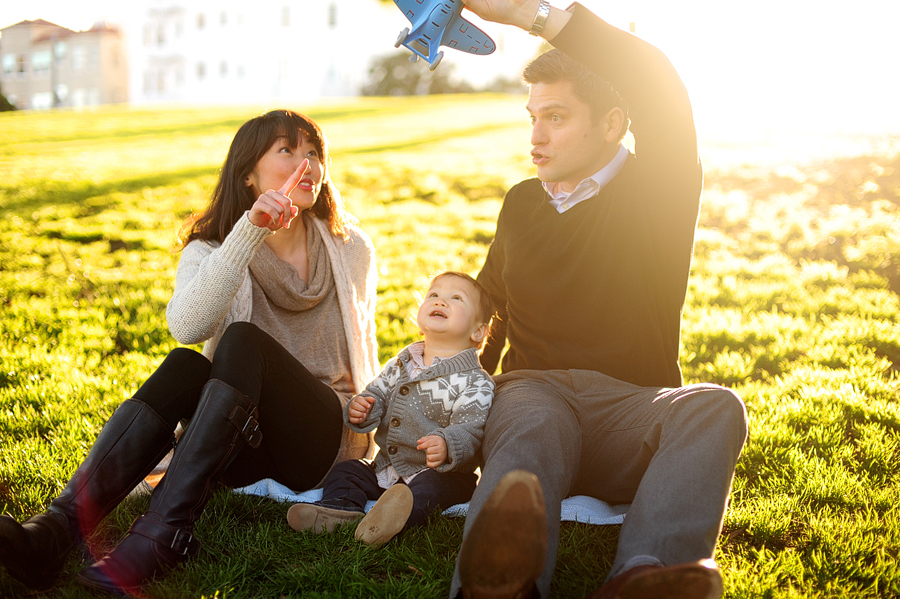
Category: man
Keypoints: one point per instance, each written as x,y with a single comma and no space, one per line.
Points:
589,268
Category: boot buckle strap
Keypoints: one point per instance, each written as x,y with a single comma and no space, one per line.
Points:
181,541
248,425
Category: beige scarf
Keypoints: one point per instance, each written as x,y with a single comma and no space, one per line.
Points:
303,316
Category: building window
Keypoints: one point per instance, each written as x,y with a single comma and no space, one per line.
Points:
59,51
223,69
286,16
332,15
40,61
223,18
21,64
201,70
94,57
9,64
160,34
42,101
62,92
148,34
79,57
201,21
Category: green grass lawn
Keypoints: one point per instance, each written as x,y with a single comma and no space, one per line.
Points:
793,302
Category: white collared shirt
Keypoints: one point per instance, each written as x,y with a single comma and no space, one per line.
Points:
589,187
417,365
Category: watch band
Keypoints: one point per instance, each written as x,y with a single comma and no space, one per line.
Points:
540,18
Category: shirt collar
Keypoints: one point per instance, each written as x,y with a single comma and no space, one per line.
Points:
417,359
589,187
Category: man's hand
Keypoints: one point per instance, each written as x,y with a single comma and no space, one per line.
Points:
520,13
435,449
274,209
359,409
509,12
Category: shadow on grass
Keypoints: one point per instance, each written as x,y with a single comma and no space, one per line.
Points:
424,141
186,129
36,194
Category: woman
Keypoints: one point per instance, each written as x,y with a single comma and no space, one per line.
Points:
282,288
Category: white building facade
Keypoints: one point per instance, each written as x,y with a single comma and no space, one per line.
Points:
266,51
48,66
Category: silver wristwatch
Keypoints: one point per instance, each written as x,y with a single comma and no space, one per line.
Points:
540,18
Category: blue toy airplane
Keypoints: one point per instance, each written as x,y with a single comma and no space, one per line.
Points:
438,23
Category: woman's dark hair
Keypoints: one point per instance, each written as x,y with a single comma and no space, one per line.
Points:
232,197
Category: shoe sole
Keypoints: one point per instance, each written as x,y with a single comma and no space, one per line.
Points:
697,582
387,517
504,551
318,519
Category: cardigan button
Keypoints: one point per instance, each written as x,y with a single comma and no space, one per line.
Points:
395,422
392,449
404,390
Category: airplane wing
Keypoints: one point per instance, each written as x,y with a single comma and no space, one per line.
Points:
409,8
463,35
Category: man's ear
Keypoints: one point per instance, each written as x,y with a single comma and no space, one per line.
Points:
480,333
614,121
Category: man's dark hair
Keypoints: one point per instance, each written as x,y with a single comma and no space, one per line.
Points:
555,65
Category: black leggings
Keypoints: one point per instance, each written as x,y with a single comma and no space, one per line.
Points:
299,416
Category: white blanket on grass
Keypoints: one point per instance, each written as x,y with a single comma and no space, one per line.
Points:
580,508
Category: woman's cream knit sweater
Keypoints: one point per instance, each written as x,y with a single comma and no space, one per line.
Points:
213,289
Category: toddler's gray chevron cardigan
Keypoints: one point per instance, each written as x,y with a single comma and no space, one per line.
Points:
450,399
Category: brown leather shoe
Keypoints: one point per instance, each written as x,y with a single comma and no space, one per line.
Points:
697,580
387,517
503,554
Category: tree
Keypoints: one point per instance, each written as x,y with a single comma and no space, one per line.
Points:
5,104
394,75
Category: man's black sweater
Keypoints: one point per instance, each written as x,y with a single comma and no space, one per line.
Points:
601,286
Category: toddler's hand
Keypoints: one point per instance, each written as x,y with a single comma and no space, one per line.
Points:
435,448
359,409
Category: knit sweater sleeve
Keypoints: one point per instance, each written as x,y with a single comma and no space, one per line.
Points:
662,121
380,388
465,432
667,172
207,279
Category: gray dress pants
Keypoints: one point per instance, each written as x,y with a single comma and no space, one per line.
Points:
671,453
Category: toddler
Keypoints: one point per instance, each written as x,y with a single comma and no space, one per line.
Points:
429,405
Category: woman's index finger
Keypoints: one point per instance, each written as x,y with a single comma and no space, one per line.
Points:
295,177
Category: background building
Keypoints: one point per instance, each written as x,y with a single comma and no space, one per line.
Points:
45,65
267,51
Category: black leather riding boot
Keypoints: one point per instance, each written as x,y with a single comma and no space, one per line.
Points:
224,422
131,443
